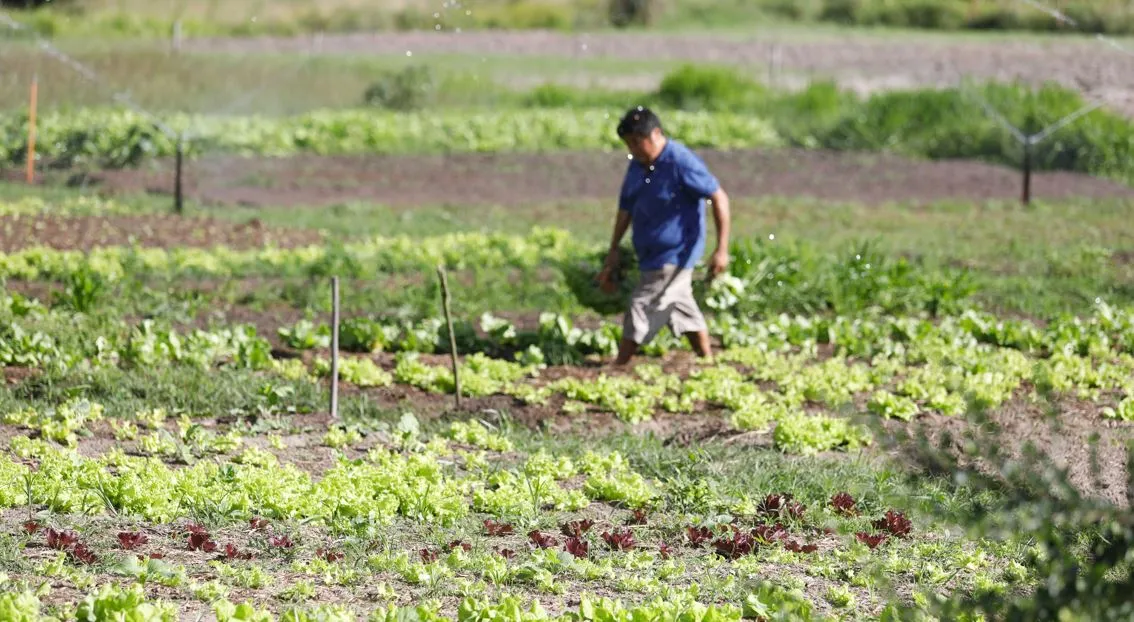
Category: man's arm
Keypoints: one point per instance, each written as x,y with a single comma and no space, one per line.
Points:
722,215
621,224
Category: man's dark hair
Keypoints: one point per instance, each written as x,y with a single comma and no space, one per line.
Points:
638,121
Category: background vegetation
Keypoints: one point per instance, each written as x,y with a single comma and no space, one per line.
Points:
133,18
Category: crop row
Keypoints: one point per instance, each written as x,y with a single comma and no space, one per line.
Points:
111,602
378,255
466,481
704,108
109,137
894,367
845,281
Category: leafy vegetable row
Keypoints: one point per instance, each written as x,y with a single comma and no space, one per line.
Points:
445,480
119,138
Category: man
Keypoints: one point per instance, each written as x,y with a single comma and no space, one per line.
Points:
663,195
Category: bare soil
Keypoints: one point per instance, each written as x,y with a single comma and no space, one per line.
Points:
1069,435
164,231
527,179
860,61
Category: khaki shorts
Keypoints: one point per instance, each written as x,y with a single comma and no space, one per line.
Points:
662,297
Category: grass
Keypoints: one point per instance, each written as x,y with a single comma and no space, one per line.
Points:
135,18
280,83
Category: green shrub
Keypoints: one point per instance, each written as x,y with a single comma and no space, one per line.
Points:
36,4
552,95
527,14
934,14
625,13
996,18
847,12
715,88
409,88
796,10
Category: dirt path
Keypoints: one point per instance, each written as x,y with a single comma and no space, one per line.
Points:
511,179
147,231
858,61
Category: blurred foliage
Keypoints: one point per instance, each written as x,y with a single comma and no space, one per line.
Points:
408,88
1080,546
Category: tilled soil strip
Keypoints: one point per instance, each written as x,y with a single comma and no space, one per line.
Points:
526,179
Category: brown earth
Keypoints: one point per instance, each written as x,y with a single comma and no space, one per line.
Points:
164,231
863,62
526,179
1065,434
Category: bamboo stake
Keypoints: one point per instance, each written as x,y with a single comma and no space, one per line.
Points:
335,348
31,128
452,336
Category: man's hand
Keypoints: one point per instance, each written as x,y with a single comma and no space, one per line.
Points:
606,279
718,263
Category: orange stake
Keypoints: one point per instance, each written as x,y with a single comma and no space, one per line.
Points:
31,130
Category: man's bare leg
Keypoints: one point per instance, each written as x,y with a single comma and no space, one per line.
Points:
626,351
699,341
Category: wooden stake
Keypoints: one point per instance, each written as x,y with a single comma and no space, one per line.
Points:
176,36
1026,192
178,193
31,128
335,348
452,336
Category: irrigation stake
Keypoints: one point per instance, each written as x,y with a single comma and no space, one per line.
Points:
176,36
774,63
32,101
178,195
1028,142
452,336
335,348
1026,196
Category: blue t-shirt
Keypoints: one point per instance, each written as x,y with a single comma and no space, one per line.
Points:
666,202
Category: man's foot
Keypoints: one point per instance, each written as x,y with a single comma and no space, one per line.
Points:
626,351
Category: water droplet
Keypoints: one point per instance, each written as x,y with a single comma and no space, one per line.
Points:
409,53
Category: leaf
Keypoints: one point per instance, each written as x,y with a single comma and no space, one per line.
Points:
620,540
131,540
870,540
541,540
844,504
576,528
577,547
894,522
497,529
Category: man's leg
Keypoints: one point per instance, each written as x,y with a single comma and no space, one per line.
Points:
686,317
699,341
643,319
626,351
